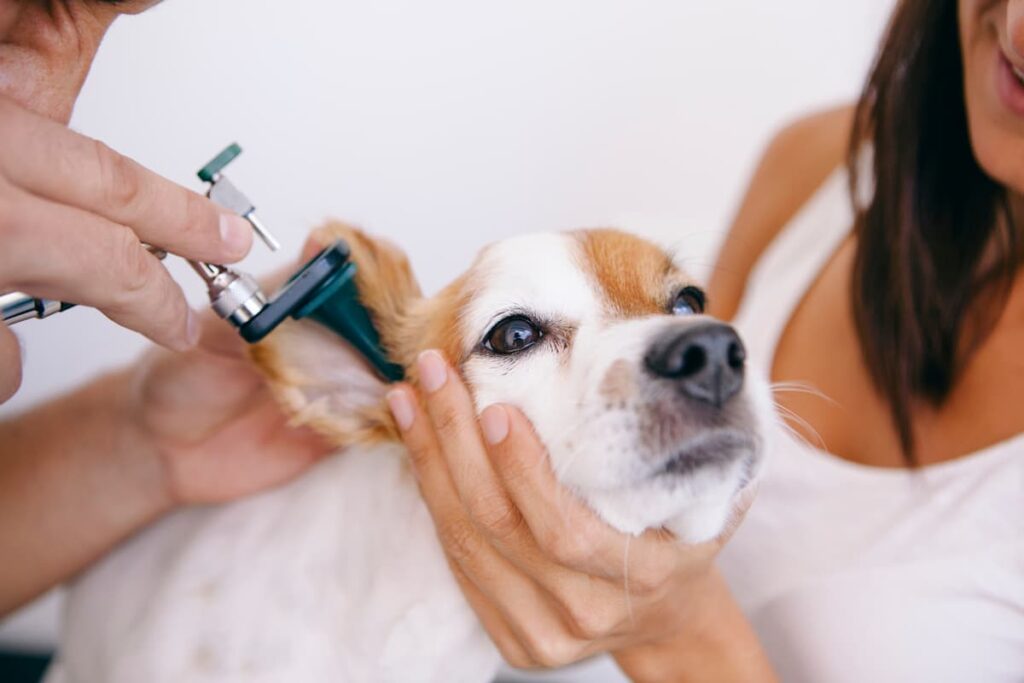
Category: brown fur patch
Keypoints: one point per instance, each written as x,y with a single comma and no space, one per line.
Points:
386,287
434,323
407,324
383,276
632,273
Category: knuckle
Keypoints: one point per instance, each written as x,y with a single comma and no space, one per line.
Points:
499,517
420,454
517,469
649,579
568,549
133,263
448,420
590,621
552,650
198,218
120,184
458,538
515,656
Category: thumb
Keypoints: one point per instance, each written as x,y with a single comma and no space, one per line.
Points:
10,363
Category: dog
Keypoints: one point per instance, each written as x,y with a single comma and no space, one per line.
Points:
644,403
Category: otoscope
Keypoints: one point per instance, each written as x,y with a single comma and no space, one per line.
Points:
323,290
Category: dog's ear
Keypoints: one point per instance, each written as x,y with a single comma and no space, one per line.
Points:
319,378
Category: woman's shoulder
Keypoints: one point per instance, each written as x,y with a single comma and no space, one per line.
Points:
794,164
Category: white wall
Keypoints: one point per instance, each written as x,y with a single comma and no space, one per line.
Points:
446,124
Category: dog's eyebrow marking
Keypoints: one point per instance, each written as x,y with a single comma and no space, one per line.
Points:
631,273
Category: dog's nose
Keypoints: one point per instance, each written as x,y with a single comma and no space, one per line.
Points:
706,360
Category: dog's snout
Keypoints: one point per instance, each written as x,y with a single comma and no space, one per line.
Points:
706,361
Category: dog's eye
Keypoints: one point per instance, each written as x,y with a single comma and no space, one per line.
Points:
512,335
689,301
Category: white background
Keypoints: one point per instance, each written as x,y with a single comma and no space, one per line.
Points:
447,124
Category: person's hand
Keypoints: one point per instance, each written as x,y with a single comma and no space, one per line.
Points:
549,580
211,422
73,219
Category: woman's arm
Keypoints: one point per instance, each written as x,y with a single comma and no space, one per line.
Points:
83,472
716,644
793,166
76,477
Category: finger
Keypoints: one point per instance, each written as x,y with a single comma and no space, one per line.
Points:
10,363
453,417
53,162
461,540
500,632
537,626
59,252
565,529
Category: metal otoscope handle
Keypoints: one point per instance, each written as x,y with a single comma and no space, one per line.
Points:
16,307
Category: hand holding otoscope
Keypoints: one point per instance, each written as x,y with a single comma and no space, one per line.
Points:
322,290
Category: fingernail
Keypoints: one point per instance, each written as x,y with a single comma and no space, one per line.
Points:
401,408
433,370
494,424
192,328
236,234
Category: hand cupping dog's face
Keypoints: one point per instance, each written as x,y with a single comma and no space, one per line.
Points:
643,403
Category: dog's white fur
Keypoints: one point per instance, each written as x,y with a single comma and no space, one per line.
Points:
338,576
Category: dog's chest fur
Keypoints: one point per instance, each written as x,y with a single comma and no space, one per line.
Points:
337,576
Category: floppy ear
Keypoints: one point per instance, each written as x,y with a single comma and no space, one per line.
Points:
317,376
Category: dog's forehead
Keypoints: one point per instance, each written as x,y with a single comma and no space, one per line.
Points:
539,273
569,277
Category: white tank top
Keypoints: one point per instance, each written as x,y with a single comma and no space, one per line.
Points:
852,573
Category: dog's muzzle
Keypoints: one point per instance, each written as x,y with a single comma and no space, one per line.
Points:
706,361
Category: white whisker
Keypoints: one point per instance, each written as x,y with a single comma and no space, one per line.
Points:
791,416
625,582
800,388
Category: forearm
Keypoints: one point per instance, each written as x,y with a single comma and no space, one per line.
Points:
717,645
75,479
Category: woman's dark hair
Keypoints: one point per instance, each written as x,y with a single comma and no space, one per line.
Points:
936,249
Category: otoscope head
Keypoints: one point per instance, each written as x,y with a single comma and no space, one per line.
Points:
324,290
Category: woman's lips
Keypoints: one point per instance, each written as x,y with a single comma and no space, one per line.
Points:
1010,88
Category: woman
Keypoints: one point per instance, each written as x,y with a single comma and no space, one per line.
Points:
899,553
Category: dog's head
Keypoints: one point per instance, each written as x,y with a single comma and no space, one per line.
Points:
643,402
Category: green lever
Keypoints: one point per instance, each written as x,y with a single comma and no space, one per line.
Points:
209,172
335,304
